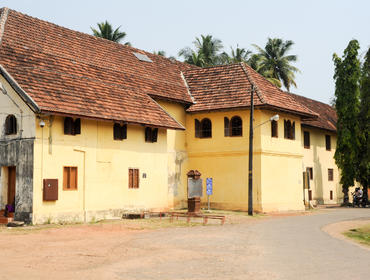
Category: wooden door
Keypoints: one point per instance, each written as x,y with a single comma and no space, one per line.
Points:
11,184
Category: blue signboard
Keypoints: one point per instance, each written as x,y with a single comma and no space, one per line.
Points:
209,184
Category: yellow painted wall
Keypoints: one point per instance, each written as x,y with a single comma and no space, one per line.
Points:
277,163
177,155
320,160
103,165
11,103
225,159
281,166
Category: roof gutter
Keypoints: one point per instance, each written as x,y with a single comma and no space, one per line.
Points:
24,96
49,112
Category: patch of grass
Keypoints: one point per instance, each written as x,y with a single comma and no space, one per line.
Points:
361,235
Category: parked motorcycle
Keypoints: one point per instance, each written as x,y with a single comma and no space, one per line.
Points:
357,200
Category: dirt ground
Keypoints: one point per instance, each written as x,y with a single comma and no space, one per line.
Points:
337,229
94,251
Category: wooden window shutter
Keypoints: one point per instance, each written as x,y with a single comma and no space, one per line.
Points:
136,179
285,129
227,126
68,126
65,177
327,142
197,128
306,139
124,131
330,174
77,126
130,178
73,178
293,130
154,134
148,134
116,131
274,129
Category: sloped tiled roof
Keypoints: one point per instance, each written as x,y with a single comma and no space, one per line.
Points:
229,86
69,72
327,117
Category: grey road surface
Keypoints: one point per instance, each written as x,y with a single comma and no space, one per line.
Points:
285,248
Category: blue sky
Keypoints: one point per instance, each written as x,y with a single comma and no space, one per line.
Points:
318,28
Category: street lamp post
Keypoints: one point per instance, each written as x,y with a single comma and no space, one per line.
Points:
250,168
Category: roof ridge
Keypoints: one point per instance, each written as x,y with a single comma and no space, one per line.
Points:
3,18
250,79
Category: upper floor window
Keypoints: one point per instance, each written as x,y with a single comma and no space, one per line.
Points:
306,139
151,134
289,129
119,131
10,125
330,174
72,127
203,129
274,129
234,127
328,142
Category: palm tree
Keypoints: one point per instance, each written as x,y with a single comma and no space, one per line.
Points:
206,51
106,31
255,62
239,55
274,62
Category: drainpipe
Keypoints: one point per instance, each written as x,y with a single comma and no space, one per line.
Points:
84,181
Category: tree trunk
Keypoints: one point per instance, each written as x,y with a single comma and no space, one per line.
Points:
345,197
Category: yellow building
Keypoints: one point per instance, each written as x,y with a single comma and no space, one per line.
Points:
91,129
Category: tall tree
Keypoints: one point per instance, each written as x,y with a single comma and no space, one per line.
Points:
346,76
236,55
274,61
105,30
255,62
206,53
363,155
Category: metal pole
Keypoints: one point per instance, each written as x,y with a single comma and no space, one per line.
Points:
250,170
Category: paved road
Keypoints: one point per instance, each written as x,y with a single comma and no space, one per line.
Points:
282,248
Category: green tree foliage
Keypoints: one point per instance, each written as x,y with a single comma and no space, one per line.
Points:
206,52
274,63
346,76
105,30
237,55
363,156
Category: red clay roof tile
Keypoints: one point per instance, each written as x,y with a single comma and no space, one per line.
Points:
327,115
66,71
229,86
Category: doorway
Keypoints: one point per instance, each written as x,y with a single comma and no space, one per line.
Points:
11,185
